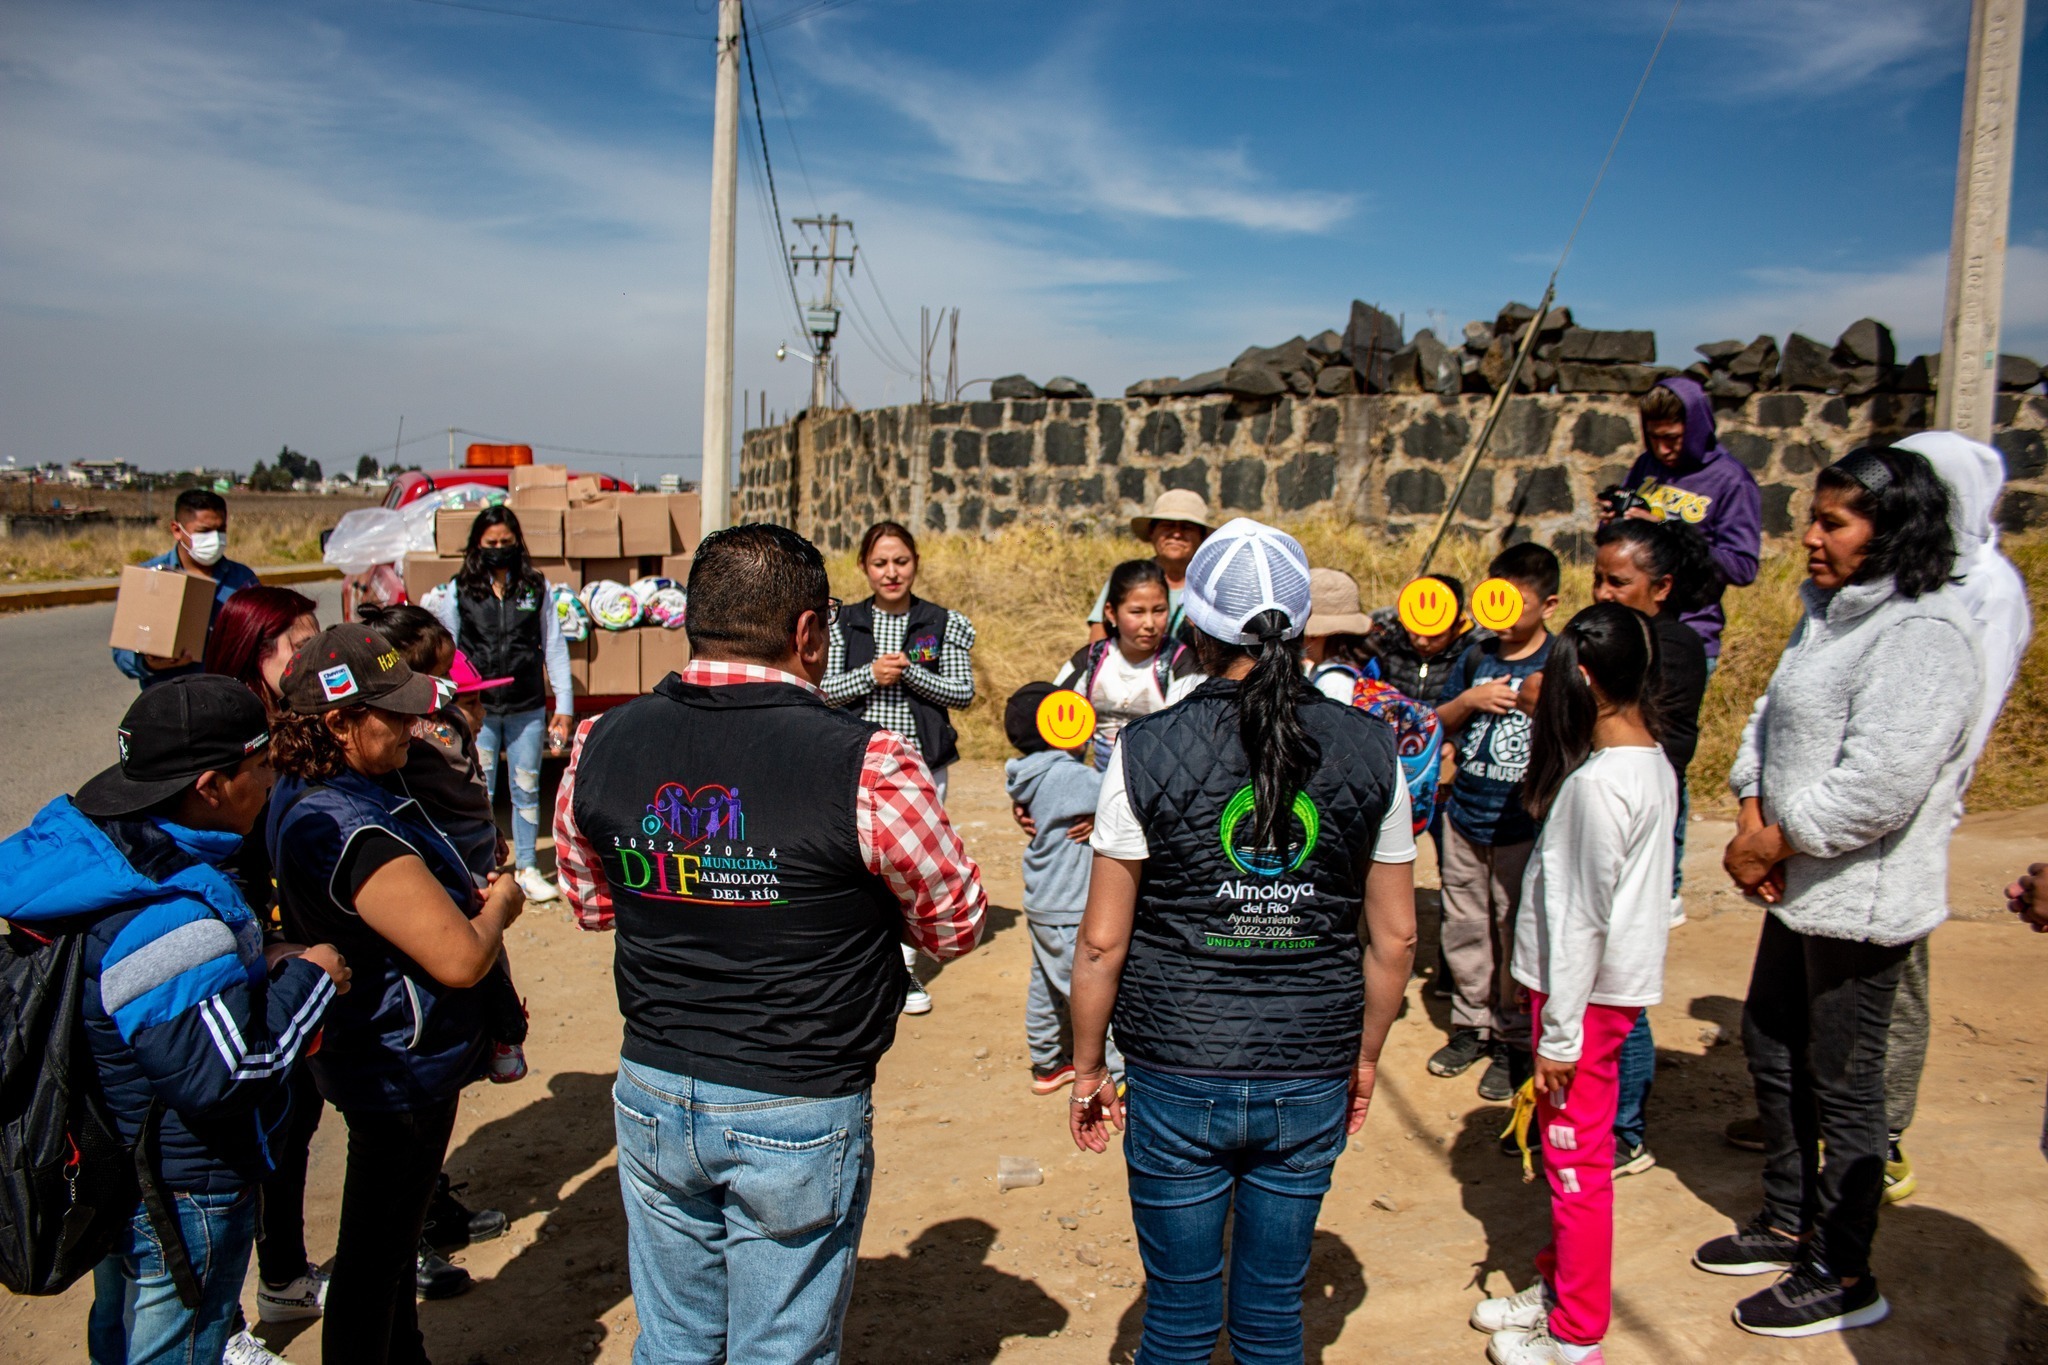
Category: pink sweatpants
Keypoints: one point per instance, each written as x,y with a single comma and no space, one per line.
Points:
1578,1160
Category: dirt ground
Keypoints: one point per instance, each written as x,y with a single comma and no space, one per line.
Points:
1425,1212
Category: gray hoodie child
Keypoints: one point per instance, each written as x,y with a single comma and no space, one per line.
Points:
1056,788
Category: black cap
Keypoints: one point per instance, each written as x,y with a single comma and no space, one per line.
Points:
175,731
355,666
1020,717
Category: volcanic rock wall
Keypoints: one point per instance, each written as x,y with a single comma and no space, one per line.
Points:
1384,460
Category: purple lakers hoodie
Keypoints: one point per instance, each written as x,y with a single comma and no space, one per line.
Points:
1710,491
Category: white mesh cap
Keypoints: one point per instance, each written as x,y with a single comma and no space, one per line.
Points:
1243,568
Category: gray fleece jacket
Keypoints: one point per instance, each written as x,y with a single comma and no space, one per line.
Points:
1858,752
1057,789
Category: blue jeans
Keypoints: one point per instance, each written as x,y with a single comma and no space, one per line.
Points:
743,1217
1201,1151
1638,1070
136,1316
519,737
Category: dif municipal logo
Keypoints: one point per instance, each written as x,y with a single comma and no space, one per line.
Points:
1268,862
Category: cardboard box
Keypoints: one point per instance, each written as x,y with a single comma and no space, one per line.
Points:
568,572
617,570
686,522
582,490
161,612
614,663
662,652
644,527
451,531
591,533
538,476
676,567
523,500
579,667
542,527
427,571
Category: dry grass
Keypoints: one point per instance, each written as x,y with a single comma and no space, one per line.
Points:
262,529
1027,592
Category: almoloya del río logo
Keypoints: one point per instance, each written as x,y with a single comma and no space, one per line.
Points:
1268,862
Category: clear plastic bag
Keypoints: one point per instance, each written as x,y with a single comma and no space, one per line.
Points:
370,536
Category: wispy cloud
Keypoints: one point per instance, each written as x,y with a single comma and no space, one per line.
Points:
1825,47
1047,133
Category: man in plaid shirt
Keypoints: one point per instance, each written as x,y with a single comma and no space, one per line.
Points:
760,854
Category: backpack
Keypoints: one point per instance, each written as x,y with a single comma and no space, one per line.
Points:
1418,741
68,1184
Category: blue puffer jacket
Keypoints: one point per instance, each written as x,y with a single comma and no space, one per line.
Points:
399,1040
177,1003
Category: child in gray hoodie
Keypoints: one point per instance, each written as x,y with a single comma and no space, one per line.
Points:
1057,791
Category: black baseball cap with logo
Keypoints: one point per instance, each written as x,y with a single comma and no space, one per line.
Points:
175,731
355,666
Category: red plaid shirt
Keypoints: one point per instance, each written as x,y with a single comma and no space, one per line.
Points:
905,837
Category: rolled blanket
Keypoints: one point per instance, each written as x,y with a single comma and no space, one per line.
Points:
662,602
612,605
569,612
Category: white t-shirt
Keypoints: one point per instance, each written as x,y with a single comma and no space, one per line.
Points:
1119,835
1596,899
1124,691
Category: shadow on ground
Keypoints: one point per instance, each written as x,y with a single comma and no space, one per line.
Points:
948,1259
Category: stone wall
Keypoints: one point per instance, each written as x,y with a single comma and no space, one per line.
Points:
1383,460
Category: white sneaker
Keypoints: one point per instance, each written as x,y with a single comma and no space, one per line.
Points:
537,886
1538,1348
1677,909
1523,1312
303,1298
917,1000
244,1349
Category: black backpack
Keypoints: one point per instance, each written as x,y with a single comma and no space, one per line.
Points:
68,1184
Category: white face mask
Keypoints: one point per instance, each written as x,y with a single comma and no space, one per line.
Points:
207,546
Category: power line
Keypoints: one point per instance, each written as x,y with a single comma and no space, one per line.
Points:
803,12
575,450
565,19
767,165
876,285
775,84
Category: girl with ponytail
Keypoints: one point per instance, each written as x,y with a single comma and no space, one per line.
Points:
1589,945
1237,836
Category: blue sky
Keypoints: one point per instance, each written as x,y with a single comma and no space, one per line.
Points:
230,226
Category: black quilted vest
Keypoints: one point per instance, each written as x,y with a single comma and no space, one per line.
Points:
924,640
1247,962
755,948
502,638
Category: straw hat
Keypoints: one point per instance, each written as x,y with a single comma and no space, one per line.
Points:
1175,504
1333,604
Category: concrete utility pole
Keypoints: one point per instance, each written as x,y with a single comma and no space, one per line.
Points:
823,322
718,297
1967,395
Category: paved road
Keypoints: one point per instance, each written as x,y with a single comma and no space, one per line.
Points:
61,698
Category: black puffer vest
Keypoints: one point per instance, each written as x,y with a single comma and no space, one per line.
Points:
1247,962
755,948
502,637
924,640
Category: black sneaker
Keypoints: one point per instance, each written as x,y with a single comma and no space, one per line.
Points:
1810,1301
1497,1084
452,1225
435,1277
1456,1057
1755,1249
1631,1158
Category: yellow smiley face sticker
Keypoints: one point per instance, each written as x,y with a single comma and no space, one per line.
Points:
1496,604
1065,719
1428,606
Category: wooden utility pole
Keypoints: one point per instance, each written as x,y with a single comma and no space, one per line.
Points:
716,488
1967,394
823,322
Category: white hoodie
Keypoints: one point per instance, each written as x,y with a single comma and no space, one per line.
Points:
1989,587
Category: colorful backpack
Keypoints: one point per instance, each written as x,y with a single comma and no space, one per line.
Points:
1418,740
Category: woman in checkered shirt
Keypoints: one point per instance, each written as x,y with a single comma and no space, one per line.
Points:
903,663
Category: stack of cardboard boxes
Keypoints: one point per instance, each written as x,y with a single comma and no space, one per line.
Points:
577,533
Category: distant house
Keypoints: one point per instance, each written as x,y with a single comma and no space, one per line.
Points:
101,473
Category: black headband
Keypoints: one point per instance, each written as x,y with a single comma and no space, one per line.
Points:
1867,468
